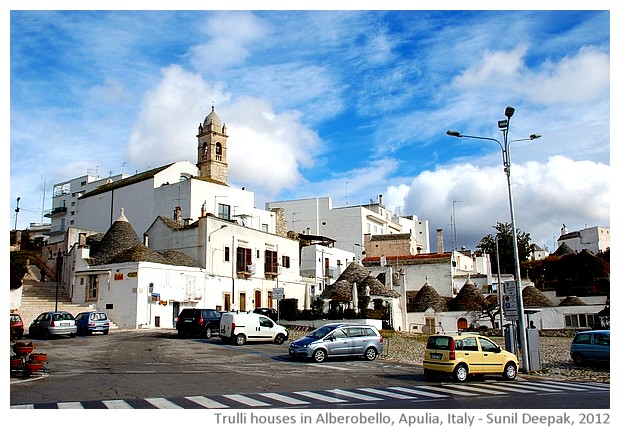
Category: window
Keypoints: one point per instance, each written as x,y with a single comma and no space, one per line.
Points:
244,258
271,262
223,211
470,344
227,254
487,346
286,261
218,151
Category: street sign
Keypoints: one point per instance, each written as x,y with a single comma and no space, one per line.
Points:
510,301
278,293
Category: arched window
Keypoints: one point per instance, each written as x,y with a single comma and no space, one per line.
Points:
218,151
205,150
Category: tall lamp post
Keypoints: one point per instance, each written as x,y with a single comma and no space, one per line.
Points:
504,125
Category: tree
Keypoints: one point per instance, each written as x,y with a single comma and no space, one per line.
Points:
506,252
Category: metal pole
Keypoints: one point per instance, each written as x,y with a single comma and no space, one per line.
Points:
515,246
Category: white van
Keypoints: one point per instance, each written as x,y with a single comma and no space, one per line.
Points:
236,327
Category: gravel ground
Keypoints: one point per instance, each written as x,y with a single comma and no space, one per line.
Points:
555,357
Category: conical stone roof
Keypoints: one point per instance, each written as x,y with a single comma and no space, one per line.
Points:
120,237
427,297
571,301
469,298
532,297
341,289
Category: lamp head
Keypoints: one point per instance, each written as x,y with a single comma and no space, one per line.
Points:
454,133
535,136
509,112
502,124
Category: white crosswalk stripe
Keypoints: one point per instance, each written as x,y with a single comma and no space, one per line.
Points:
162,403
70,405
387,393
285,399
206,402
418,392
319,397
536,386
117,404
354,395
477,389
245,400
448,390
573,386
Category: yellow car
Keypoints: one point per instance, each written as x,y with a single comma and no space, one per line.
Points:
467,354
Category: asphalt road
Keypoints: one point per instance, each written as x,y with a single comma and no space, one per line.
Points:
126,367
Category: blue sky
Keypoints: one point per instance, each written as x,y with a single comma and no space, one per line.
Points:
348,104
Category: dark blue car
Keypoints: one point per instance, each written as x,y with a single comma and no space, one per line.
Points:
590,346
89,322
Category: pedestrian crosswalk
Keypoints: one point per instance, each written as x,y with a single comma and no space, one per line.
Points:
308,399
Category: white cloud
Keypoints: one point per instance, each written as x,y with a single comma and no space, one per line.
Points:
546,196
493,66
266,150
577,80
230,35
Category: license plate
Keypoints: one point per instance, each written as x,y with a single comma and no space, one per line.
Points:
64,324
436,356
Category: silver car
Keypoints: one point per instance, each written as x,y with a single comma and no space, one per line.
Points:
53,323
338,339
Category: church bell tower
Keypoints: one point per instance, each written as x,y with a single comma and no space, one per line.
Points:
212,148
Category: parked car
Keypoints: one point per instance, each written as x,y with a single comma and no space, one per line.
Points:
17,327
89,322
338,339
241,327
590,346
272,313
202,322
467,353
51,323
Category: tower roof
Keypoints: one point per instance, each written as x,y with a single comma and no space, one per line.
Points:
214,119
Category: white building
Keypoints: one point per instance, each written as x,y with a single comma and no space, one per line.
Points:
595,239
241,265
65,197
348,225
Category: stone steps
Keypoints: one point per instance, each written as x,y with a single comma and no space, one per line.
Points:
38,297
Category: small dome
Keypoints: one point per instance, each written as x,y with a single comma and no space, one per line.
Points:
214,119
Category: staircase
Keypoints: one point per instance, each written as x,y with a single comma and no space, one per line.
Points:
38,297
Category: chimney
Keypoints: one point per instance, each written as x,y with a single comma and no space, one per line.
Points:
145,239
380,199
81,239
440,241
203,209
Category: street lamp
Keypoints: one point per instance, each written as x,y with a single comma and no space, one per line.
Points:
17,212
504,125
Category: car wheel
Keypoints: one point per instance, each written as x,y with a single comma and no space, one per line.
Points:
279,339
240,339
510,371
460,373
46,334
319,355
579,359
74,334
208,333
370,354
106,332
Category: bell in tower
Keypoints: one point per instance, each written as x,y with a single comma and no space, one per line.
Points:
212,148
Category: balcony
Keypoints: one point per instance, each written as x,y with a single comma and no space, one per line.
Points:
56,211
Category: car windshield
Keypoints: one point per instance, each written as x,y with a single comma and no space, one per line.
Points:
321,332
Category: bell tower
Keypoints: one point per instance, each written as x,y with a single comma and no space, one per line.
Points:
212,148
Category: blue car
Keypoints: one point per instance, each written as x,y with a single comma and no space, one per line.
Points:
89,322
590,346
